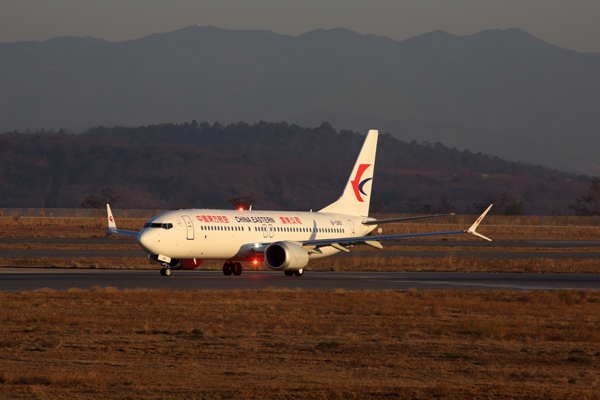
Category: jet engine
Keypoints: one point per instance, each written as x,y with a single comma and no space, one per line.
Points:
286,256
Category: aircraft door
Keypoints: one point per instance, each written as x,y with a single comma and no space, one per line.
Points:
265,232
351,224
271,231
190,227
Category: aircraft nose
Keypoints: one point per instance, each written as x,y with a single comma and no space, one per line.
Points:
148,240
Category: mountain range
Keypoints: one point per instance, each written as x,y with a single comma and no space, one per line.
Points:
502,92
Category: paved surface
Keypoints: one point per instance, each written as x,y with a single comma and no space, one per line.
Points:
26,279
529,249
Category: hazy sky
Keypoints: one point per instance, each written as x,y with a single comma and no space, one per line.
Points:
570,24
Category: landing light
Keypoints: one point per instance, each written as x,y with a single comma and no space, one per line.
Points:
241,209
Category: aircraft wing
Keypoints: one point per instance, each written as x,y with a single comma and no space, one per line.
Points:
112,226
389,221
374,240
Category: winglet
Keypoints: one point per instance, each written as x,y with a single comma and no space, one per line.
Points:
112,226
111,220
473,227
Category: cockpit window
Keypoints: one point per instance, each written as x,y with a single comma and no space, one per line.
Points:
158,225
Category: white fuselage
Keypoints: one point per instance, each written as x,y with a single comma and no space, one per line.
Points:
241,235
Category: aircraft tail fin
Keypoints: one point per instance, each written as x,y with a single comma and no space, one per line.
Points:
356,197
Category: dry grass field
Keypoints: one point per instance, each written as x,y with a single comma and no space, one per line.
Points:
159,344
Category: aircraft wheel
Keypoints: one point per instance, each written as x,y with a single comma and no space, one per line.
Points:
237,268
288,273
165,272
299,272
227,269
162,272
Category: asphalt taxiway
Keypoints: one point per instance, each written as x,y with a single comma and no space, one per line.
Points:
28,279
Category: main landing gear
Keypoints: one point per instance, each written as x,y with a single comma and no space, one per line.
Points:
298,272
232,268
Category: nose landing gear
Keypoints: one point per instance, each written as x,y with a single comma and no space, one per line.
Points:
165,271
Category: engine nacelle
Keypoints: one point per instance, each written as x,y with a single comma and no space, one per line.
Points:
286,256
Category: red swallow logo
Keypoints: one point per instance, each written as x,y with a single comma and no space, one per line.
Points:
111,218
357,184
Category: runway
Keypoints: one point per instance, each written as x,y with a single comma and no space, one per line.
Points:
28,279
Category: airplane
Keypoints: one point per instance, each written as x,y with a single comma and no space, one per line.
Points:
284,240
